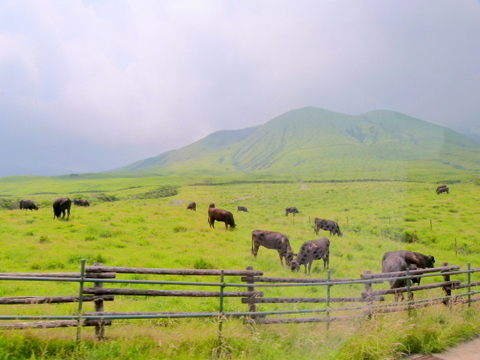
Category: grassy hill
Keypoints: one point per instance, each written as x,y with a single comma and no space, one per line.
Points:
316,144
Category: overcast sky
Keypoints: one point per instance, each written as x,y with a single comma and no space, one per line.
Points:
91,85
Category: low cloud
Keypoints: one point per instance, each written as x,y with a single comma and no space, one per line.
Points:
134,79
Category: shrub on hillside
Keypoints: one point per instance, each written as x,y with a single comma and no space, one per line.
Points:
8,204
162,191
106,198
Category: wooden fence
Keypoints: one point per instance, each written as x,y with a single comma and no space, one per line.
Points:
343,299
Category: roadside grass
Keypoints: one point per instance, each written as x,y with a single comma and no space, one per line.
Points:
375,217
384,337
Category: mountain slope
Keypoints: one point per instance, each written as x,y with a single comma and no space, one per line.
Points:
316,142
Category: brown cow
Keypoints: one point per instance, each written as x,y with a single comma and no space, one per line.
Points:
192,206
272,240
220,215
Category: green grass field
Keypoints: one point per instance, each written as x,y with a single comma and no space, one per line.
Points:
140,231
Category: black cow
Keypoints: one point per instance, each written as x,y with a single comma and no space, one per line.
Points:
312,250
60,207
328,225
27,205
401,260
192,206
412,258
242,208
81,202
272,240
442,189
395,264
291,210
220,215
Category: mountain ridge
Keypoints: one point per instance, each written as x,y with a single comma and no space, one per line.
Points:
312,140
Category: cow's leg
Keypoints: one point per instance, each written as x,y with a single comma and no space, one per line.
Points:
68,214
308,266
255,251
281,257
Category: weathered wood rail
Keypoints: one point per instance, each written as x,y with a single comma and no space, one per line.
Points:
337,301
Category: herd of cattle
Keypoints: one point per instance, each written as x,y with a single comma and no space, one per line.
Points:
319,249
61,206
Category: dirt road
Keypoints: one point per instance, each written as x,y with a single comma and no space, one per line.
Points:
467,351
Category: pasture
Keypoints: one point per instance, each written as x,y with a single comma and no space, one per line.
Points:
137,230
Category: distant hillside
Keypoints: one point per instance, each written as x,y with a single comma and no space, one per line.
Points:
318,144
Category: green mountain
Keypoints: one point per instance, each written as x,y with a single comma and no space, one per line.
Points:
317,144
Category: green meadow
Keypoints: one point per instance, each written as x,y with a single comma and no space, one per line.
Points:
143,222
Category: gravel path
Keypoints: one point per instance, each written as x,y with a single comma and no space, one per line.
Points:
466,351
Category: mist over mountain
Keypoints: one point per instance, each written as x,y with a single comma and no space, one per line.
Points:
314,142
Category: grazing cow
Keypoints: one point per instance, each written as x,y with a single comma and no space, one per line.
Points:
442,189
396,263
81,202
242,208
220,215
328,225
60,207
412,258
27,205
312,250
192,206
272,240
291,210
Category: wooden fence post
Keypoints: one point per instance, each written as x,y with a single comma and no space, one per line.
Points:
368,290
252,307
100,326
469,279
409,292
447,289
328,300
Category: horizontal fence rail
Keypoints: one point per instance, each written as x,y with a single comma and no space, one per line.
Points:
337,301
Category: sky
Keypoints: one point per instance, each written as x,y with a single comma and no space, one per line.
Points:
92,85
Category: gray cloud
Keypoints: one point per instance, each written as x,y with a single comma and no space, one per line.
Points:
89,86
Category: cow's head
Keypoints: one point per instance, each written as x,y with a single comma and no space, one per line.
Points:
294,265
430,261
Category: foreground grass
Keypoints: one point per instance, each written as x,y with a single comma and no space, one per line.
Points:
429,330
